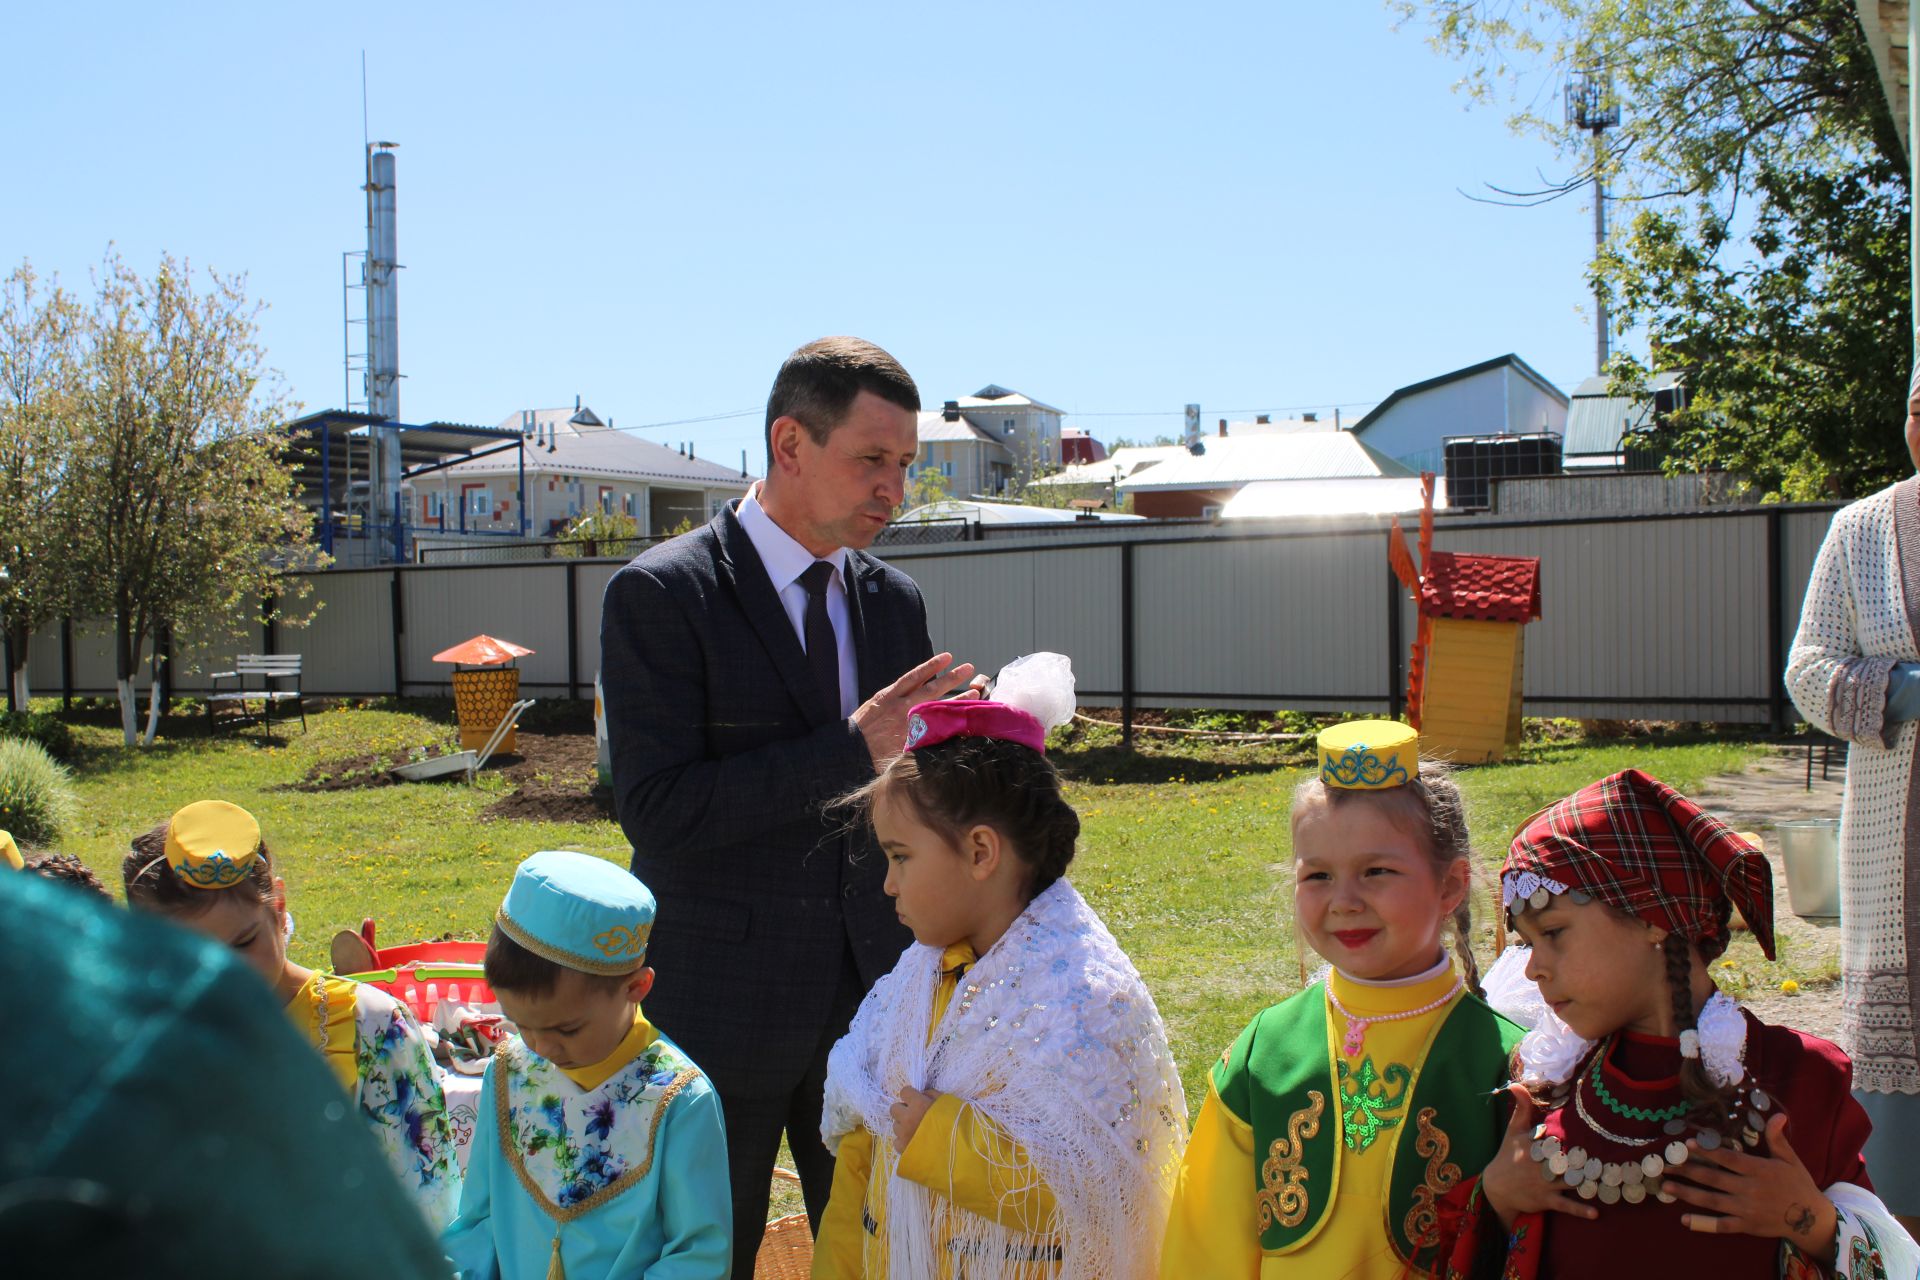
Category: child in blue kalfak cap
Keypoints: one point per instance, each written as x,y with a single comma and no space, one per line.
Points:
599,1149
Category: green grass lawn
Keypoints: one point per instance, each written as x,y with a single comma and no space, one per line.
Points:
1182,854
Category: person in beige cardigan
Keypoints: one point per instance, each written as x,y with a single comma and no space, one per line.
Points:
1854,672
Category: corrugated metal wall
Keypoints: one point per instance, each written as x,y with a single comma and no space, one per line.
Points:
1659,617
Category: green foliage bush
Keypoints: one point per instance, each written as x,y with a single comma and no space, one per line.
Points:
37,800
42,727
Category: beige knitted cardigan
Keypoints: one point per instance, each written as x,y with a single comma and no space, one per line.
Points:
1861,616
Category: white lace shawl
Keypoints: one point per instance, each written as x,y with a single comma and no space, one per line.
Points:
1053,1036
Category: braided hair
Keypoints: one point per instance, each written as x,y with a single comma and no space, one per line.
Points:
1710,1102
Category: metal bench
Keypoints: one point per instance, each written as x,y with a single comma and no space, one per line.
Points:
254,675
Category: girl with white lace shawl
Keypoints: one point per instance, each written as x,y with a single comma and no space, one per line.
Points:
1005,1103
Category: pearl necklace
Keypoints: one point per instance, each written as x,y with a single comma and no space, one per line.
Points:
1356,1036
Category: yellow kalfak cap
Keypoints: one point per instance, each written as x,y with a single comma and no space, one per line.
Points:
210,843
1369,755
10,853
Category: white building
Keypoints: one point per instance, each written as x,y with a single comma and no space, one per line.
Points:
575,463
1502,396
980,443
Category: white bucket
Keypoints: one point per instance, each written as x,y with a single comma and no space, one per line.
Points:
1810,849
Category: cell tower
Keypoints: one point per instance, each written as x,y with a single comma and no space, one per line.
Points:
1591,106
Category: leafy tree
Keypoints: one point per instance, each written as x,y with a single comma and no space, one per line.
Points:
598,533
928,486
1763,250
39,329
185,504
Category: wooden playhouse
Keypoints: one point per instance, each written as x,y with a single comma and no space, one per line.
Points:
1473,613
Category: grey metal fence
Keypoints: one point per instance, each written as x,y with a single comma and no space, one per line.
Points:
1677,615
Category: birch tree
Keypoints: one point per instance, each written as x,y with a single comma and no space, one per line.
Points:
186,504
39,328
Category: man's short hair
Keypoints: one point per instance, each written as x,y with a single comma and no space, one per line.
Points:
820,381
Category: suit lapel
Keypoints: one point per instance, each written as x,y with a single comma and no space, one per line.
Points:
741,569
864,611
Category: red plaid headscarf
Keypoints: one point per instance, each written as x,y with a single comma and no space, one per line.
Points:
1638,845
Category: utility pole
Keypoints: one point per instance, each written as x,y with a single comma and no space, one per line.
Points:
1590,106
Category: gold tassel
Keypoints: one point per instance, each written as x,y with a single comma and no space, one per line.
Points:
556,1270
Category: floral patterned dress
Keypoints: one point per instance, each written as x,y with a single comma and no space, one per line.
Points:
380,1056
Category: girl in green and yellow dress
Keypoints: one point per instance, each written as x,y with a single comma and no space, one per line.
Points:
1339,1119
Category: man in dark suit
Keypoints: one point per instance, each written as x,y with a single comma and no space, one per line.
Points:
753,671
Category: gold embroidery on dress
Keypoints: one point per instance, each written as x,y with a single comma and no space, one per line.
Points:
1283,1191
1423,1220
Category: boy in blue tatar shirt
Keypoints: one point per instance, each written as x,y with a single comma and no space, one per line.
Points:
599,1150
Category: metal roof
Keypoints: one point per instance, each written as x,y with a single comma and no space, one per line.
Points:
340,437
993,396
581,447
935,429
1004,513
1229,463
1127,460
1596,421
1519,366
1380,495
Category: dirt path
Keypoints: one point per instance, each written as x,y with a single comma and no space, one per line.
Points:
1775,790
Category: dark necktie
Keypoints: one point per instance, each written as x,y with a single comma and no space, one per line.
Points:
823,650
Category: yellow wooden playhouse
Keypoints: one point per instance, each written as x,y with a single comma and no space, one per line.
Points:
1473,613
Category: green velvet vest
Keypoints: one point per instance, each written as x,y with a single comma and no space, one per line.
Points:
1282,1078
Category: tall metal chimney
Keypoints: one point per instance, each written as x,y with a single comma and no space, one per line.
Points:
383,304
383,337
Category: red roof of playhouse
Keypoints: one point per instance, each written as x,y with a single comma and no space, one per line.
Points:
1486,588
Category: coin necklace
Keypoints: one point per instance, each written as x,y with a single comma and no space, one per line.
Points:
1592,1178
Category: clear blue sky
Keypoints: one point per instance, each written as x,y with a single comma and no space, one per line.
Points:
1116,208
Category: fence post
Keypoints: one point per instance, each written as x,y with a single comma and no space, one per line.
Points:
1126,645
269,626
1396,644
1776,625
66,664
399,627
6,654
573,631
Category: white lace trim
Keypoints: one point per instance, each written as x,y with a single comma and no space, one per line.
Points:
1517,885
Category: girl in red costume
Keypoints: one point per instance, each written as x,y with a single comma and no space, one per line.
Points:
1659,1128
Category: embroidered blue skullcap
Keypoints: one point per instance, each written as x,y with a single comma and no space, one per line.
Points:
578,911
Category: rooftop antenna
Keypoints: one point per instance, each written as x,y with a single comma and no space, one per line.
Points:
1591,106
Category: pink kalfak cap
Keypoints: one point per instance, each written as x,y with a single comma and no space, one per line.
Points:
930,723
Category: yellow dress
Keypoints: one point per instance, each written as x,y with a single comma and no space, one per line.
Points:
943,1156
1214,1229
